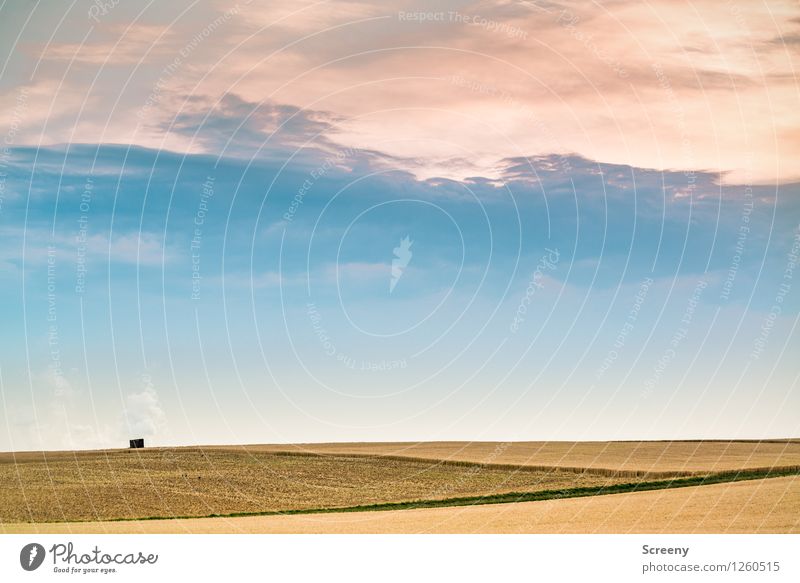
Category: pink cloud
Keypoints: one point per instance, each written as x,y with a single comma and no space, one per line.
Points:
661,85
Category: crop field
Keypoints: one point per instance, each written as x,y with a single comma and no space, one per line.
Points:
755,506
334,484
645,456
185,482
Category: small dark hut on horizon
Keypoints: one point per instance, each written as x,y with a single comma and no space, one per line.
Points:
137,443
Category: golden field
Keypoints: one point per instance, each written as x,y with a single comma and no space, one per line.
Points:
755,506
644,456
86,491
192,482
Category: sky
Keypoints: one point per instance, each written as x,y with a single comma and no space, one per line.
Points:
262,222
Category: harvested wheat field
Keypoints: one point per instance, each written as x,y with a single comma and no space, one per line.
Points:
644,456
755,506
384,478
192,482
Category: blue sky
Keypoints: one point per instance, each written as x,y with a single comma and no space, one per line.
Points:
216,265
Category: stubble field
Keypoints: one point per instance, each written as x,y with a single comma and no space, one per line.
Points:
643,456
186,482
755,506
406,481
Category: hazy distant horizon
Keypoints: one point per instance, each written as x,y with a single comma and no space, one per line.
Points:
155,445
